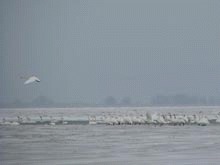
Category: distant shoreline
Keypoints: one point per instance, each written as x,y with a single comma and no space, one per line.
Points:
123,107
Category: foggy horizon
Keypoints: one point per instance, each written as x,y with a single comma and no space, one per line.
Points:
86,51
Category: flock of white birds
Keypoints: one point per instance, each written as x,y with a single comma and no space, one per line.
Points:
119,119
156,119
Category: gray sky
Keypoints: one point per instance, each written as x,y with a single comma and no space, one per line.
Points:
87,50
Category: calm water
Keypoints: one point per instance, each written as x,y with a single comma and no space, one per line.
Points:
103,144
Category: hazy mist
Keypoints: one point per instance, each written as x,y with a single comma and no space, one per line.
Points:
88,50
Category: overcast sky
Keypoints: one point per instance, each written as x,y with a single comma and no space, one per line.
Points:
87,50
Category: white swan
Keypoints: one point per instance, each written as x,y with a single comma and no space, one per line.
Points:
5,122
127,120
212,118
14,123
155,119
203,121
11,123
31,79
148,118
92,120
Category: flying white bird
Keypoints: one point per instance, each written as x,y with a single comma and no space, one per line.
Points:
31,80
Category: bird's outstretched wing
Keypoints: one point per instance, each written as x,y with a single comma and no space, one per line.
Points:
31,80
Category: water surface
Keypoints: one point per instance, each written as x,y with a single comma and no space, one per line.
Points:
105,144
